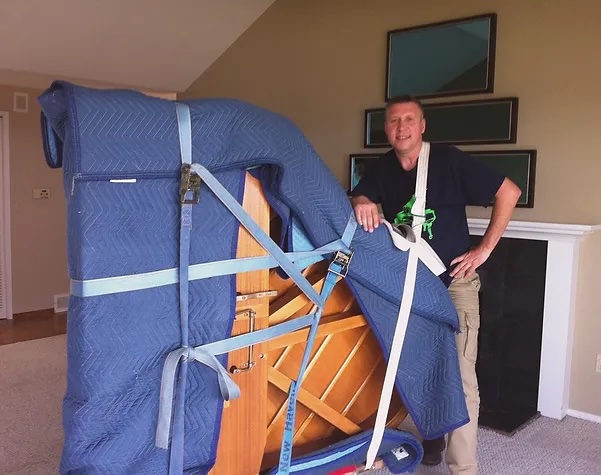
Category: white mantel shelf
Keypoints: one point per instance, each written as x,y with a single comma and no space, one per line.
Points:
561,282
535,230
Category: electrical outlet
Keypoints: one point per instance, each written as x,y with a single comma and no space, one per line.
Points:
41,193
598,367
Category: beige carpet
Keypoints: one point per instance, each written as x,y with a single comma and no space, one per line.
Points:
544,447
32,384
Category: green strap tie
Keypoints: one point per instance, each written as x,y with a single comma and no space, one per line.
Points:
406,217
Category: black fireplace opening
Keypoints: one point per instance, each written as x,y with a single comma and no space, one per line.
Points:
511,323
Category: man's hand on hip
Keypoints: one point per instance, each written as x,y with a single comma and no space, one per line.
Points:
366,212
468,263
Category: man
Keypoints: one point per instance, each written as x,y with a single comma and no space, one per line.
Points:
455,180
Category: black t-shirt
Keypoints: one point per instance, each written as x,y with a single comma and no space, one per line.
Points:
455,180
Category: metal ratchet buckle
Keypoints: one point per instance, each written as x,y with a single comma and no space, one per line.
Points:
189,182
343,260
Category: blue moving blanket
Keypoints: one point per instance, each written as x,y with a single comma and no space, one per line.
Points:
120,154
353,452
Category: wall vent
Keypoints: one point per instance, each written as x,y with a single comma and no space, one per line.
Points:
21,102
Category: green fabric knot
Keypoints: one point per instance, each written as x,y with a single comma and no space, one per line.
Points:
406,217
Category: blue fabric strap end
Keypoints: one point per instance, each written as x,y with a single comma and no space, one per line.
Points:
185,131
206,355
228,388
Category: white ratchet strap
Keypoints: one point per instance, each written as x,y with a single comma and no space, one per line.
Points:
418,211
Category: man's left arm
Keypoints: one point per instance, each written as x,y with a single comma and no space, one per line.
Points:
505,200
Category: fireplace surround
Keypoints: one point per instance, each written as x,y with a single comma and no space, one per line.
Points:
558,306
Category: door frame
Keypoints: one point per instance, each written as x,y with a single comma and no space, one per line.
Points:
5,239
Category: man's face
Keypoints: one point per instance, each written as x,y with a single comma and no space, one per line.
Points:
404,127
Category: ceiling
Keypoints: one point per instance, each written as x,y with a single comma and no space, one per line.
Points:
155,45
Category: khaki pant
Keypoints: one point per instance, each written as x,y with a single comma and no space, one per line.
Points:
461,446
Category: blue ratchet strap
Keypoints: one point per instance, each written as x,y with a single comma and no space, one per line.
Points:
190,185
191,179
255,231
338,268
148,280
206,354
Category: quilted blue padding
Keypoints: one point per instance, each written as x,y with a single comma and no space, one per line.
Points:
117,343
353,452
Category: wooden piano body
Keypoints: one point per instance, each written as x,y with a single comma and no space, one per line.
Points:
340,393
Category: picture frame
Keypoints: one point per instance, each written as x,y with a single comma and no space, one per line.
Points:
518,165
360,164
446,58
472,122
374,133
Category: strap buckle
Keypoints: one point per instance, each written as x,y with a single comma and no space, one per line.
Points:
189,182
340,263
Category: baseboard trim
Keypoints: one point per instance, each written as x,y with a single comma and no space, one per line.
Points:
584,415
41,313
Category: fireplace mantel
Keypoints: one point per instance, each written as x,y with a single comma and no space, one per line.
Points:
561,284
534,230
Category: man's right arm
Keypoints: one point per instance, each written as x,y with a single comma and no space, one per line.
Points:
366,212
366,195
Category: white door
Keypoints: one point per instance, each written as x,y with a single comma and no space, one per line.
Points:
5,264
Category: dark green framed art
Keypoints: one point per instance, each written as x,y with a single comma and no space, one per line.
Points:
360,164
447,58
517,165
478,122
374,134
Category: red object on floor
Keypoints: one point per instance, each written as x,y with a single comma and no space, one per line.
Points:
344,470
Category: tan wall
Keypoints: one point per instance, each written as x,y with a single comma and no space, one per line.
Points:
39,256
585,395
322,63
38,227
